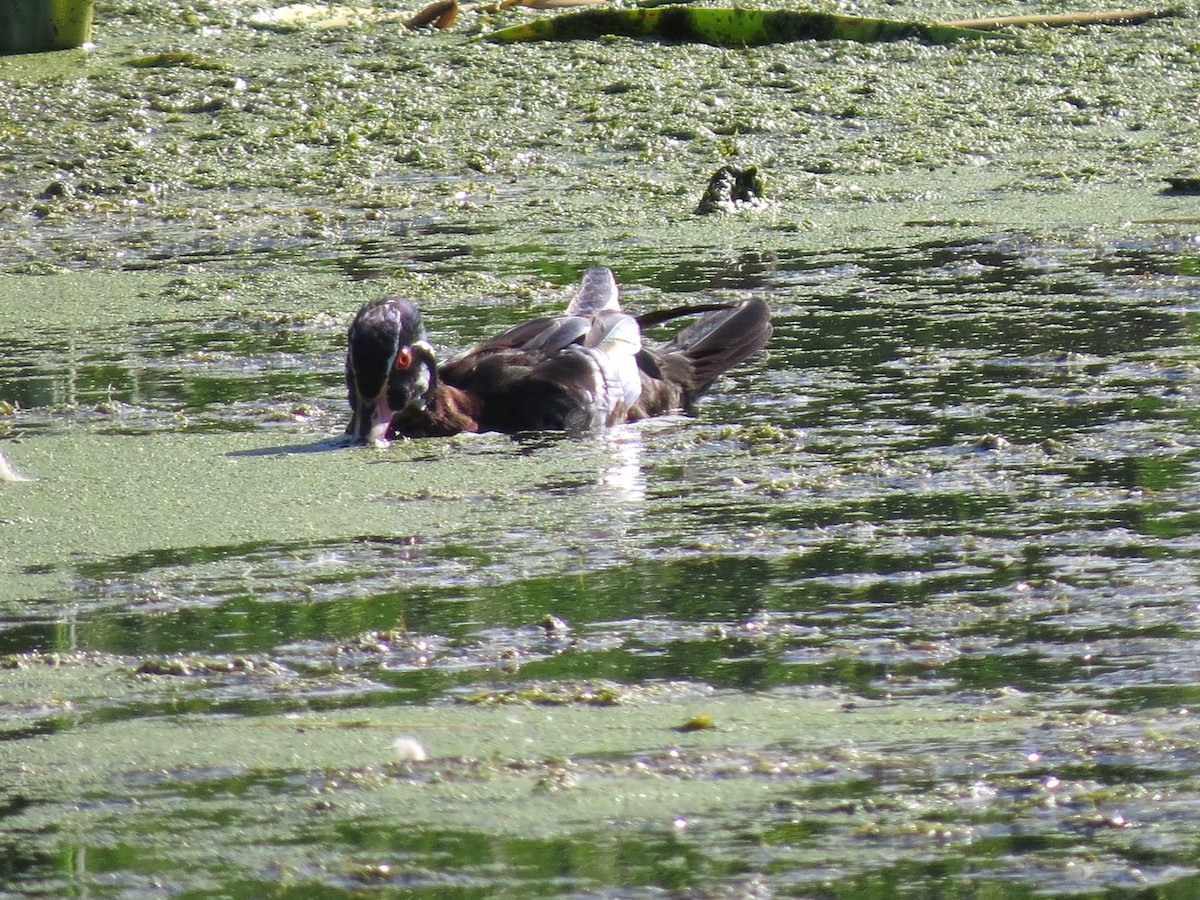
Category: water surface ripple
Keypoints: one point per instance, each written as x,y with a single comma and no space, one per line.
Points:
962,472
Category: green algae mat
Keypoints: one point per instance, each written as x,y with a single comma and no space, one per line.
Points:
310,800
907,609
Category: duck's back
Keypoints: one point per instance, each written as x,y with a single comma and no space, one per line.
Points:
565,373
588,369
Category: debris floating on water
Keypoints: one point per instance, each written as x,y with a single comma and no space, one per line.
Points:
409,749
1183,184
731,189
8,473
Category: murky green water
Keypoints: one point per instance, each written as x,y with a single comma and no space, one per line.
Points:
910,609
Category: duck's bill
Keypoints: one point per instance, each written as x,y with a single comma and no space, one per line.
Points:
371,424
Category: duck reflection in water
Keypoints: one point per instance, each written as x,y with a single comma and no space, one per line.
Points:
576,373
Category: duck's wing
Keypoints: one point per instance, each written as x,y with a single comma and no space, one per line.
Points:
675,375
541,335
546,335
585,385
493,369
513,353
576,372
580,388
720,340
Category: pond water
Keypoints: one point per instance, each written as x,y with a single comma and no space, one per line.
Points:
909,609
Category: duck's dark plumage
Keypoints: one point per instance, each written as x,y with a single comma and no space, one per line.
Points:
577,372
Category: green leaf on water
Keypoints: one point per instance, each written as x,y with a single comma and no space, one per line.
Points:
729,27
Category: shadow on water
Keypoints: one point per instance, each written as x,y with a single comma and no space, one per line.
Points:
319,446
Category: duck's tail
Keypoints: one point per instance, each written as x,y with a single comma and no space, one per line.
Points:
679,373
719,341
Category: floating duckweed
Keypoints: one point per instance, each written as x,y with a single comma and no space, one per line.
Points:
558,694
173,60
371,873
382,641
181,666
55,659
554,626
559,778
992,442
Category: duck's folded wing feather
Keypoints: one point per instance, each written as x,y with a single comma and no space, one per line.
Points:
597,292
618,340
539,337
582,387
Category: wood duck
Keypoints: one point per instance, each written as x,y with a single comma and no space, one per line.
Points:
578,372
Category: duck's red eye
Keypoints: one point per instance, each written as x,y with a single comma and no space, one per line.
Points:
404,357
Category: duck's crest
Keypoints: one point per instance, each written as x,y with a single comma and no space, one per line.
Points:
597,292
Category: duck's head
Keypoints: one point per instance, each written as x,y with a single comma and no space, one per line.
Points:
390,367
